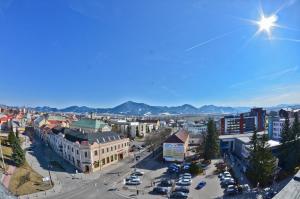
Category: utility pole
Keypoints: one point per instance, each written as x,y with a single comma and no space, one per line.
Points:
51,183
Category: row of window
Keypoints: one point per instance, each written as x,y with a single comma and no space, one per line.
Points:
106,160
112,148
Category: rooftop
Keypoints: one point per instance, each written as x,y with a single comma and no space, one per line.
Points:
232,136
179,137
88,123
291,190
101,137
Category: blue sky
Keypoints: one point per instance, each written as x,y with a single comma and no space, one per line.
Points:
101,53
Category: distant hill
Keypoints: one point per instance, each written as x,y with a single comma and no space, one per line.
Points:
134,108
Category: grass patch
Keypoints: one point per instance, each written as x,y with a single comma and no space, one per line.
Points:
26,181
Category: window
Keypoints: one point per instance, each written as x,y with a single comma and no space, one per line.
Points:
85,154
122,145
107,149
102,151
103,161
111,148
96,153
77,152
96,164
118,146
72,149
112,158
107,160
115,147
116,157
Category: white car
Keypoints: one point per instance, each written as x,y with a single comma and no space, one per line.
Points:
133,177
185,175
184,182
133,182
185,178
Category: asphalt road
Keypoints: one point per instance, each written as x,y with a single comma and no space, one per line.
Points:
103,187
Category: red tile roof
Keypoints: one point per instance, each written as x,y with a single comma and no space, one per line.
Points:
179,137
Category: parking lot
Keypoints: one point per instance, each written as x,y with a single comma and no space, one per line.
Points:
155,171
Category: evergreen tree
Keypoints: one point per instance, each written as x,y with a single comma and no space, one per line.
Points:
296,142
288,150
11,138
211,145
296,126
262,163
18,155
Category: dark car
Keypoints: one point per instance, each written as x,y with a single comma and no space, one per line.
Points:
178,195
297,178
137,157
160,190
165,183
200,185
182,189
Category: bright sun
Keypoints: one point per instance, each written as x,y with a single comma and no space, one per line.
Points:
267,23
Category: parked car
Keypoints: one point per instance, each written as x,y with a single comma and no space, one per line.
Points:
160,190
165,183
269,193
297,177
186,174
231,190
178,195
137,173
137,157
184,182
182,189
133,182
200,185
226,179
228,182
173,170
245,188
132,177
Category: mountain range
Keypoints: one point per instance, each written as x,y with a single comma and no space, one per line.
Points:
134,108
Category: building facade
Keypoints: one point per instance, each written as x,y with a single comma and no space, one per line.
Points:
88,152
175,147
243,123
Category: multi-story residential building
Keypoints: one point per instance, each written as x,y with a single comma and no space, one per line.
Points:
276,122
195,128
244,123
88,152
90,125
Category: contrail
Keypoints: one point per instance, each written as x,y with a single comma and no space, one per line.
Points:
209,40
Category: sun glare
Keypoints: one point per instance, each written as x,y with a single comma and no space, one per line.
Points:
267,23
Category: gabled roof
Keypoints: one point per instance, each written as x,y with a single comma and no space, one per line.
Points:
179,137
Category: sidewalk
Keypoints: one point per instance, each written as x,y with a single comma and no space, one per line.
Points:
35,165
6,176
